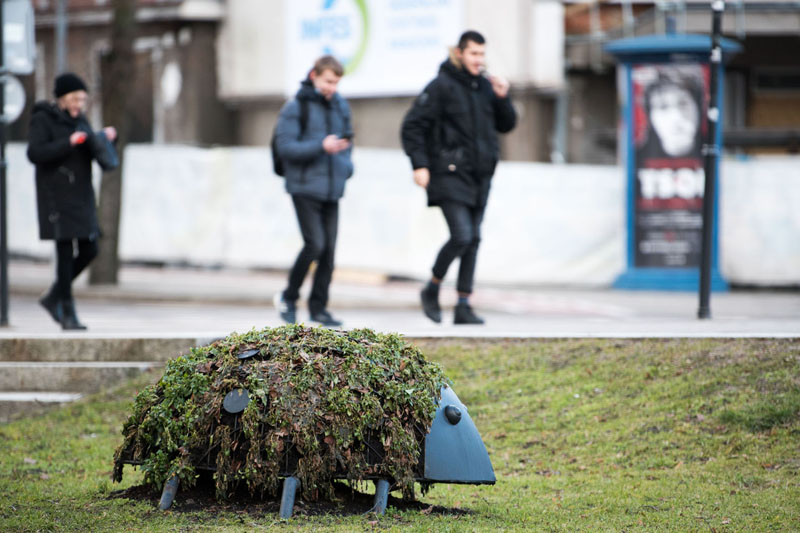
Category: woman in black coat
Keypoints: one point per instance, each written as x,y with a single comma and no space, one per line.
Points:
61,144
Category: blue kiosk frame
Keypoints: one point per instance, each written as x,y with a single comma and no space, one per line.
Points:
662,50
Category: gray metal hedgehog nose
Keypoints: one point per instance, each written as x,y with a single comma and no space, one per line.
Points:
453,414
454,451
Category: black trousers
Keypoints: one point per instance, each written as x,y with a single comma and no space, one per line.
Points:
319,222
464,223
69,265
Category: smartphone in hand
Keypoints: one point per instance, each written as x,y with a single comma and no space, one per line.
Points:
79,137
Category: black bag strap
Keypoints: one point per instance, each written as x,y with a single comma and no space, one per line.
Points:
303,103
277,162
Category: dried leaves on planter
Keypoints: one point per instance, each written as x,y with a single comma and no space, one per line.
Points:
323,404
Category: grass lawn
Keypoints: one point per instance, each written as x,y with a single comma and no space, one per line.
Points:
584,435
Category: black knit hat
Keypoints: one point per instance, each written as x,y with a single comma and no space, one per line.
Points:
68,82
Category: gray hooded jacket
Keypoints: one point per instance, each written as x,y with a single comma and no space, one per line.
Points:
308,170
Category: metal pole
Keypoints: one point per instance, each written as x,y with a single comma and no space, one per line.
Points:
3,195
711,153
61,36
381,496
629,24
596,44
559,153
168,493
290,485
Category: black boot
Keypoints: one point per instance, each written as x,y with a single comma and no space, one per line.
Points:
465,315
325,318
52,304
430,302
69,320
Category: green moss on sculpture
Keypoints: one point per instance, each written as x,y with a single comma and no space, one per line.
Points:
323,405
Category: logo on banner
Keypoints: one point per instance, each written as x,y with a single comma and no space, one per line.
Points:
341,29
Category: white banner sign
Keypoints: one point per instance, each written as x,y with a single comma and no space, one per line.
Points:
388,47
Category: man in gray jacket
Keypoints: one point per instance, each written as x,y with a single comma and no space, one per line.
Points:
313,141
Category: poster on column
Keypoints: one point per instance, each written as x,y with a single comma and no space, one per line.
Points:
669,106
388,47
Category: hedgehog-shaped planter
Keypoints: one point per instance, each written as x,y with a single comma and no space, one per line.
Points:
305,406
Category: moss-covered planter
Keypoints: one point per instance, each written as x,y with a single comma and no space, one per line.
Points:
323,404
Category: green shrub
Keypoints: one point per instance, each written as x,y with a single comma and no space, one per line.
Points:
325,399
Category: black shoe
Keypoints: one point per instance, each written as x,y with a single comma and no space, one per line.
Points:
325,318
69,320
286,309
430,303
52,303
465,315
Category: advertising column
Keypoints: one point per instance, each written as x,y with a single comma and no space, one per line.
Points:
669,103
665,90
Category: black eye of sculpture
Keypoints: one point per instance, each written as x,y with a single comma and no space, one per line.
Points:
235,401
247,354
453,414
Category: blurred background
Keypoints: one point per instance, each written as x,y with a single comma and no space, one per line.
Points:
205,79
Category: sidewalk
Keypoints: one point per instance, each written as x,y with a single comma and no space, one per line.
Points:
177,302
153,314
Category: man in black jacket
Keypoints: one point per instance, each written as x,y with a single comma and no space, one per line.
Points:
62,145
450,135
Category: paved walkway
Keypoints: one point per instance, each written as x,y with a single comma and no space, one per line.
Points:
174,302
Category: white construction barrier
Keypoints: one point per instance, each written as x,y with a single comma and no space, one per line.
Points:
545,224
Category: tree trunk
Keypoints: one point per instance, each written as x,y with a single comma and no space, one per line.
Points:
118,73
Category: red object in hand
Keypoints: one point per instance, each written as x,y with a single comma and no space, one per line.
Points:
79,137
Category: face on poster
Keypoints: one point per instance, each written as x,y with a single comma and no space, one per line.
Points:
388,47
669,129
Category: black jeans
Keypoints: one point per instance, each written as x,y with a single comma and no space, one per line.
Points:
69,265
319,223
465,236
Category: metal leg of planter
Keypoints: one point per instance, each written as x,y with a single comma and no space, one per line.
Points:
381,496
168,494
290,485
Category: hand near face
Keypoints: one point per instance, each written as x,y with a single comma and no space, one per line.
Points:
499,85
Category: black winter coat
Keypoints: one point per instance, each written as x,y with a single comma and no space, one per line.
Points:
64,194
452,131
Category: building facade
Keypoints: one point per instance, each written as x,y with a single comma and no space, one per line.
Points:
762,91
216,72
174,97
